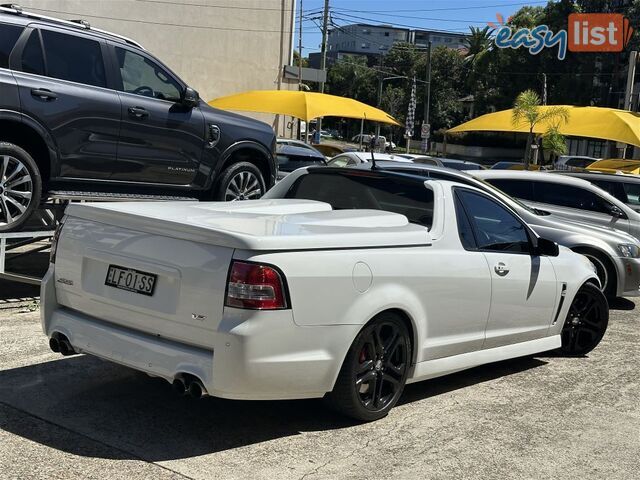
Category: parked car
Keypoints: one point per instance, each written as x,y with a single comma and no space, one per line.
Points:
82,109
624,187
351,159
330,150
573,162
579,201
569,197
613,253
343,283
291,156
616,165
382,141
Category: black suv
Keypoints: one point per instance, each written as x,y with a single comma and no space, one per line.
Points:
86,110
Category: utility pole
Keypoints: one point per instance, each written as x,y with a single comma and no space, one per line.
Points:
544,89
628,91
323,55
380,80
300,74
425,123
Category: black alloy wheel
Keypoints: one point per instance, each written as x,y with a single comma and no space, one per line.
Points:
375,370
586,321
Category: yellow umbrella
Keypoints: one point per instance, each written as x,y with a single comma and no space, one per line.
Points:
592,122
303,105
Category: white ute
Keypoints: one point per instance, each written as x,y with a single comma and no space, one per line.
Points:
395,280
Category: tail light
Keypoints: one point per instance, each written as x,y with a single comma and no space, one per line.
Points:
54,242
254,286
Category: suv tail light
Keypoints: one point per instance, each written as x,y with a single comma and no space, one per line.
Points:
54,242
254,286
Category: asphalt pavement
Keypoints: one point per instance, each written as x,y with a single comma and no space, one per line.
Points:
544,417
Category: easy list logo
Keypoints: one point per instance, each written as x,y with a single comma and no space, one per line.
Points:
588,32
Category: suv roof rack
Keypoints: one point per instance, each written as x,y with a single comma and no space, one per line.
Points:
14,9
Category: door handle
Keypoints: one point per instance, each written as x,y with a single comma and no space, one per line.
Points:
138,112
44,94
501,269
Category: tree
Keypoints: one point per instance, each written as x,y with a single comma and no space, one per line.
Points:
554,143
478,43
527,111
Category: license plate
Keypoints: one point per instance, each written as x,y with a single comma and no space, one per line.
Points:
131,280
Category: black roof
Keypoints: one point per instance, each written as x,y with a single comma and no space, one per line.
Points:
613,177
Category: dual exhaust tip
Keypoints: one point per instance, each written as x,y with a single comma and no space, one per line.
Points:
185,384
189,385
59,343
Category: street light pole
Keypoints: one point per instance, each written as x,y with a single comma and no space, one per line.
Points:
300,72
380,80
425,124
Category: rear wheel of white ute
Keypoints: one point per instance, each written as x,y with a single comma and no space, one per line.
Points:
374,371
20,187
240,181
586,322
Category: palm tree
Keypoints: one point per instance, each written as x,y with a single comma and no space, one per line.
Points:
554,142
526,110
478,43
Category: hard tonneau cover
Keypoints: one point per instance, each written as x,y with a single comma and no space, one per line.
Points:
272,225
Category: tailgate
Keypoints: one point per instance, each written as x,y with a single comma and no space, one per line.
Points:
187,299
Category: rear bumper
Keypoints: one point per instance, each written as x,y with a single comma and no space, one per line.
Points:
254,355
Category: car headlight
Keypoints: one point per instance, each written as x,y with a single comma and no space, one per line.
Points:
629,250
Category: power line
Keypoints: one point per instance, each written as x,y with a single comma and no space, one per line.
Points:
415,27
538,2
419,18
203,27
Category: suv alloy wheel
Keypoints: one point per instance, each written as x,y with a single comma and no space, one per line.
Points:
20,187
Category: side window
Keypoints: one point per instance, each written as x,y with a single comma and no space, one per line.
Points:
32,57
8,37
74,58
496,228
465,231
570,196
141,76
522,189
632,191
342,161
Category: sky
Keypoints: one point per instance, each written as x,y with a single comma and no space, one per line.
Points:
448,15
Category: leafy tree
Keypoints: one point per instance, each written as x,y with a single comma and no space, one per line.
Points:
554,142
527,111
478,43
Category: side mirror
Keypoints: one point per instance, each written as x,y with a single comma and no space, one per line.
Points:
546,248
190,97
617,212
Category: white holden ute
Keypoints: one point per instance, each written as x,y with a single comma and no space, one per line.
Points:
342,284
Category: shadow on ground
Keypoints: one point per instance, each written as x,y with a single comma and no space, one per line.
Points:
142,418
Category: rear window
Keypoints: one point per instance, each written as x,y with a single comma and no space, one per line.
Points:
74,58
8,37
359,191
